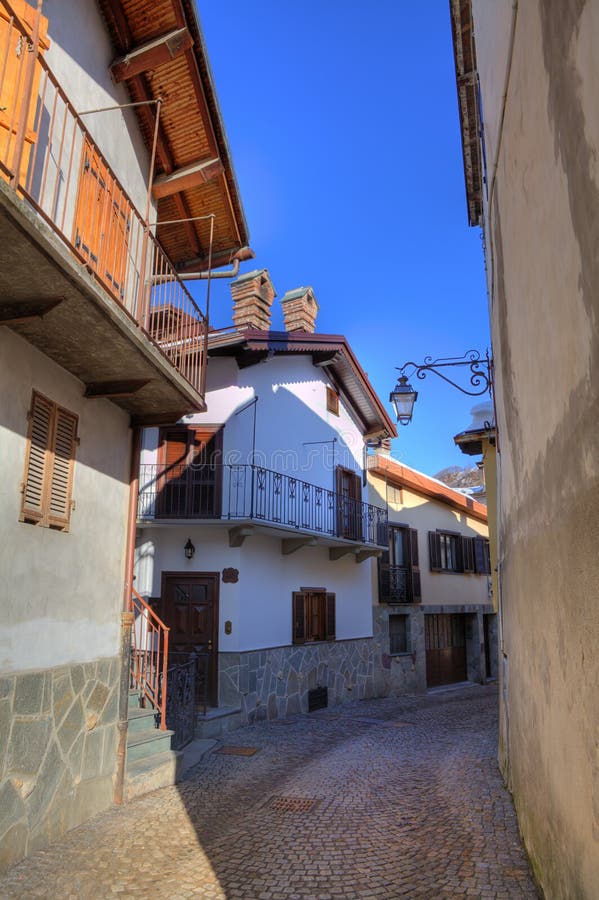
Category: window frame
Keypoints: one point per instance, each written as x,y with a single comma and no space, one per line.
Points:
395,616
472,554
332,400
55,439
308,605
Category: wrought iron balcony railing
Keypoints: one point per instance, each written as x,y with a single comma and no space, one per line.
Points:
395,585
254,493
49,158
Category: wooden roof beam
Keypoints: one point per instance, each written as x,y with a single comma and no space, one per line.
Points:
148,56
191,176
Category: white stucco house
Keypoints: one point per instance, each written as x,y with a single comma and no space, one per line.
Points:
266,493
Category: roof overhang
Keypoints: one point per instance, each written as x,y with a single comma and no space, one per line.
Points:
330,351
468,104
404,477
471,442
160,52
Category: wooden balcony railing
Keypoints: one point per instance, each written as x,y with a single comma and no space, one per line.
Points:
47,155
251,492
149,657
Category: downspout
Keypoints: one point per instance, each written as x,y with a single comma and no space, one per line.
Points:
127,619
241,256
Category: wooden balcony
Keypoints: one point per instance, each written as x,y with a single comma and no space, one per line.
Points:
260,497
82,276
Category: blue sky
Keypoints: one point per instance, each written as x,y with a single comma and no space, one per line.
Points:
343,124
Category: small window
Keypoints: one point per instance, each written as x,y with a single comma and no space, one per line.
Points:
313,616
398,634
48,481
333,401
450,552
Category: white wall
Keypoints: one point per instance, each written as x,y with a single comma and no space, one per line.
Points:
60,593
259,605
291,411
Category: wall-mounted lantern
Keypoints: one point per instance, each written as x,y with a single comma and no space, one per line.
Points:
189,549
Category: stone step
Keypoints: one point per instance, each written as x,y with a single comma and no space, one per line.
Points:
146,743
218,721
153,772
134,700
141,720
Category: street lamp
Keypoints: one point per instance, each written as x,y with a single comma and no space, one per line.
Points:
403,396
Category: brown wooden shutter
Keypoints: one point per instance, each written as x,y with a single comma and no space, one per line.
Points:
434,548
37,460
330,618
468,554
299,617
62,458
414,566
481,556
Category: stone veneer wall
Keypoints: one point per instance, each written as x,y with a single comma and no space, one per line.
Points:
406,672
58,741
275,682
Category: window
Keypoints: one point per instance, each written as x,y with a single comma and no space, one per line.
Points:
399,634
313,615
48,481
450,552
399,571
333,401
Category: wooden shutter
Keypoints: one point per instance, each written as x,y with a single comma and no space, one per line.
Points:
299,617
468,554
330,618
62,458
481,556
434,549
12,82
37,458
414,566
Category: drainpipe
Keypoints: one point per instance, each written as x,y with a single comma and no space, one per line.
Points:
127,619
241,256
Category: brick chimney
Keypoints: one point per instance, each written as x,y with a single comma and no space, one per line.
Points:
300,310
253,294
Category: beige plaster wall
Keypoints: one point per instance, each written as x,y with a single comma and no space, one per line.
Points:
543,233
60,593
425,514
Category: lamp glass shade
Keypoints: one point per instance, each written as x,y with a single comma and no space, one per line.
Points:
403,398
189,549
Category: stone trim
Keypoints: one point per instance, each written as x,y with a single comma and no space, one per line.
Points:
57,752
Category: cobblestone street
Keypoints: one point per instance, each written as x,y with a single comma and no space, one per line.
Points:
381,799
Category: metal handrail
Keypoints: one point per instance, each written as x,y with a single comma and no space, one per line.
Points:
50,158
149,656
248,491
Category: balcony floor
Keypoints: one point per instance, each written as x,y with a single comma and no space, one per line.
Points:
87,333
269,529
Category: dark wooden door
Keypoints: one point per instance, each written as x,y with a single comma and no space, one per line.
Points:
190,481
349,505
190,610
445,642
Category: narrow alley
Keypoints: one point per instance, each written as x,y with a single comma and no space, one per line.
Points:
377,799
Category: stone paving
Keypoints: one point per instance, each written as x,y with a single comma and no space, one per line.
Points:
407,802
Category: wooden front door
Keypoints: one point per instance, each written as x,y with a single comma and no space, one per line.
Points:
445,642
190,610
